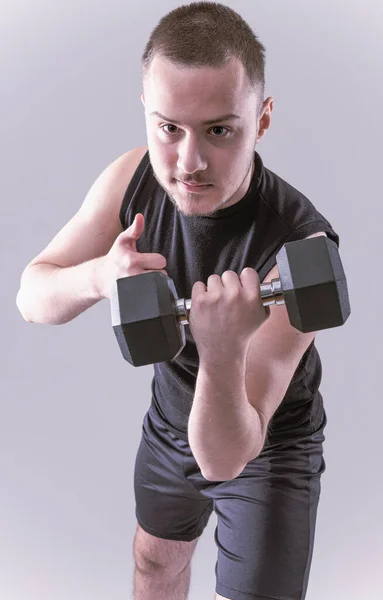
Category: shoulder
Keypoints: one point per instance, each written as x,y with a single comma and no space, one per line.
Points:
293,213
130,160
283,197
120,172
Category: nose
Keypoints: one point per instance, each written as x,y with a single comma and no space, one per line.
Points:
190,157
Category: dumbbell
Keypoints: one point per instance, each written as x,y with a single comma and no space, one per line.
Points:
148,317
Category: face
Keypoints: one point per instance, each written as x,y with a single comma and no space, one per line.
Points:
202,128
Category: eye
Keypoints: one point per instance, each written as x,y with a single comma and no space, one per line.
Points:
168,125
220,127
175,127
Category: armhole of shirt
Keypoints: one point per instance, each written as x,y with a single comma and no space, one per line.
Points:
133,184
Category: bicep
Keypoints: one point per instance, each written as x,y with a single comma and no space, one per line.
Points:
273,356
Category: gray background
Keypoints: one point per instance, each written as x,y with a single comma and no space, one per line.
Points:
71,407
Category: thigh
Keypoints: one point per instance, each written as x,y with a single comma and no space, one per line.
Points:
167,505
266,522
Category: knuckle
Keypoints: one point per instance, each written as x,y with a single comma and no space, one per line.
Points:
127,261
214,300
198,300
233,294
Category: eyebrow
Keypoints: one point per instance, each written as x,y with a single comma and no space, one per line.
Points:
228,117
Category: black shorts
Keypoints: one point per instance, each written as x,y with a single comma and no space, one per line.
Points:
265,517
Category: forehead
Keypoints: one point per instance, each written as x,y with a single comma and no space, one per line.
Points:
202,91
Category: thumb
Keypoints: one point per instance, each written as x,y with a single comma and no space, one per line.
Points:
136,229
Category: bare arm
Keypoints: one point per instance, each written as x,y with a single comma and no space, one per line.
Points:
222,424
54,295
238,392
64,279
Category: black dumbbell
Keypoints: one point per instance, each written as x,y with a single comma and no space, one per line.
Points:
148,317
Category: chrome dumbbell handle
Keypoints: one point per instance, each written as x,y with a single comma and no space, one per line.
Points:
271,293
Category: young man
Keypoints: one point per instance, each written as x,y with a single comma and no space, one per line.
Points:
236,420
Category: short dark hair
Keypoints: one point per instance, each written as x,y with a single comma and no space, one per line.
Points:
208,34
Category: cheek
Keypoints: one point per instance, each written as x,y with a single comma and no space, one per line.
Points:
167,161
164,164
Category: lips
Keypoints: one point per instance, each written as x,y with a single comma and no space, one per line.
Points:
192,184
196,189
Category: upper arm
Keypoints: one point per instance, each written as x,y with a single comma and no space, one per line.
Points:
92,231
274,354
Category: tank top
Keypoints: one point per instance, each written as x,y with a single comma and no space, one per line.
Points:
249,233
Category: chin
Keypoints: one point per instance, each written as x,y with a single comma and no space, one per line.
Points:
197,208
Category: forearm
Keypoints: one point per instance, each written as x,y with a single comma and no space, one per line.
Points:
54,295
223,429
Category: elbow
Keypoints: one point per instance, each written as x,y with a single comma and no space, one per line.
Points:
29,313
222,471
22,308
219,474
215,475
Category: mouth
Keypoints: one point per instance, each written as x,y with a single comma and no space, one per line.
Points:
194,187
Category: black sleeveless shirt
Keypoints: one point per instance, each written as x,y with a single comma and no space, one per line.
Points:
247,234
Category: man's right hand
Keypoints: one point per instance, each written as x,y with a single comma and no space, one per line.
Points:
123,259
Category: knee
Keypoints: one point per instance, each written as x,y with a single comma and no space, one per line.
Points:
145,557
145,564
154,555
162,566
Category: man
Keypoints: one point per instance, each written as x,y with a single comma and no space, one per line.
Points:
236,420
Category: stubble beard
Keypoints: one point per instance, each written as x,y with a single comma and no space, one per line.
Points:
221,204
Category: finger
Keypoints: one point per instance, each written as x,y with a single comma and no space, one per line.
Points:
252,287
148,260
231,279
198,288
134,232
214,282
250,279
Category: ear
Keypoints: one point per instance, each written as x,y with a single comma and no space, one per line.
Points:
264,120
